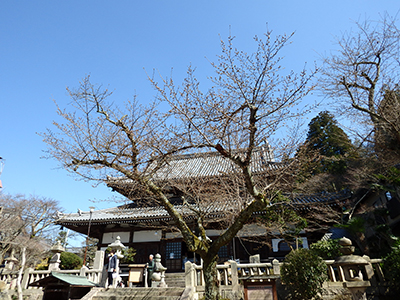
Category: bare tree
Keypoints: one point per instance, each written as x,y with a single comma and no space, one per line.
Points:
27,221
250,101
364,76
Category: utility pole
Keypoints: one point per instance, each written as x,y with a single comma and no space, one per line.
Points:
1,169
87,238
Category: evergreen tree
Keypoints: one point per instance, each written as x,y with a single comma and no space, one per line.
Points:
332,144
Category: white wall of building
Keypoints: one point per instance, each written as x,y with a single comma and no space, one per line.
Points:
110,237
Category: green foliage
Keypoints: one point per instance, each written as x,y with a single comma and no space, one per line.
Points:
376,245
43,265
91,244
70,261
303,272
330,141
391,267
128,253
387,181
328,249
283,217
354,225
62,238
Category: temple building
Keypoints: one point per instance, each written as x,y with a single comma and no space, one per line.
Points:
147,227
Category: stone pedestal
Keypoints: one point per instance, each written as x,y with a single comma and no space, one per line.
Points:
357,289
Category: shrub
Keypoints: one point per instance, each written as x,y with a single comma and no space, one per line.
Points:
328,249
391,268
43,265
128,253
304,272
70,261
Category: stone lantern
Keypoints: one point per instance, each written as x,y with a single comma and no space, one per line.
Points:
57,249
117,246
11,261
350,270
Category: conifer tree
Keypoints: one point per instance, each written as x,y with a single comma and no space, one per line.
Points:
332,144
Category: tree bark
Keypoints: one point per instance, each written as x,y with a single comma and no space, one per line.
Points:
210,277
19,288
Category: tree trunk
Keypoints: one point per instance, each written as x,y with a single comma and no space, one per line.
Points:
19,280
362,243
210,278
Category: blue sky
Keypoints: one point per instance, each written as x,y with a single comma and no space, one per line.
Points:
46,46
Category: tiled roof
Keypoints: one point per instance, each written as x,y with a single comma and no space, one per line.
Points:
131,215
324,197
135,215
158,213
72,280
206,164
197,165
210,164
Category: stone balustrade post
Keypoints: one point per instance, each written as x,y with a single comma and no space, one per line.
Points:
190,277
25,278
276,267
83,271
98,265
146,275
255,259
234,274
98,260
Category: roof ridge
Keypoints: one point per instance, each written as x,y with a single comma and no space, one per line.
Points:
211,153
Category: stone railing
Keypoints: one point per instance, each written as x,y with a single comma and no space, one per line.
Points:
231,273
30,275
9,278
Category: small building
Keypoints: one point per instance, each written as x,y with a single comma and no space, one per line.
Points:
64,286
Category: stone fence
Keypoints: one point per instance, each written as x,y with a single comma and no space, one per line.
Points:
30,275
232,272
9,278
232,275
